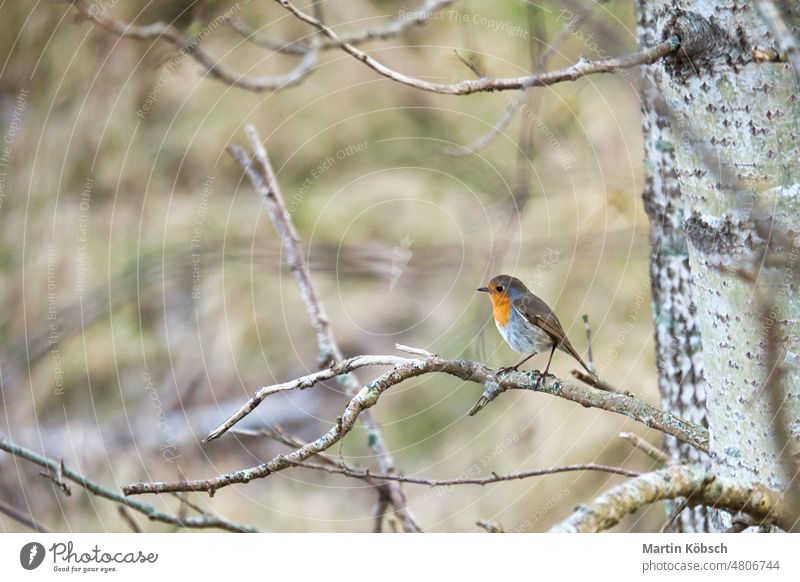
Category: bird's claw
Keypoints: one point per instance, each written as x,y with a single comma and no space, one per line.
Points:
505,370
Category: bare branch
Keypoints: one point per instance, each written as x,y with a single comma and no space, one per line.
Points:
381,505
412,350
57,477
495,478
787,43
265,183
466,370
338,468
592,397
129,519
302,383
22,517
472,65
690,481
466,87
589,356
278,46
95,489
514,104
638,442
415,17
190,46
404,368
277,434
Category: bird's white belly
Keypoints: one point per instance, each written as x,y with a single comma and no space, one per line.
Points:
523,336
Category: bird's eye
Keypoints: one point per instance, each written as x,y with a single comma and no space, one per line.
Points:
500,288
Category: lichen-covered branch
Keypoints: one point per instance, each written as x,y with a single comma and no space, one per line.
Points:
466,370
592,397
692,482
202,521
307,381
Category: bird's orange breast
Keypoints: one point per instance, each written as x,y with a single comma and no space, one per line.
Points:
501,308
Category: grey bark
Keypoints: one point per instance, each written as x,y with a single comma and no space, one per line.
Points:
679,355
732,146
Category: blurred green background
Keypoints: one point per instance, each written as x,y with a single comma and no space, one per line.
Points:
145,296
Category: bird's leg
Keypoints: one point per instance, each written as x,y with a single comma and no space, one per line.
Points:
547,367
508,369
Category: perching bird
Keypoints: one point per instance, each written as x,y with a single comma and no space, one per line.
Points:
526,322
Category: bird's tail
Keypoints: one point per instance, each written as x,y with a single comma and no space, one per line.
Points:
567,347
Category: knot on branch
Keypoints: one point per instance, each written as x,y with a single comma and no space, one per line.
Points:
726,235
702,43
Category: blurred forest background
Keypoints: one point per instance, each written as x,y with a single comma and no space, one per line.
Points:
144,296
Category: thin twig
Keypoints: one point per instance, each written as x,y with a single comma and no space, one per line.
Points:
129,519
95,489
517,101
414,17
277,434
787,43
24,518
466,87
639,443
472,65
339,468
302,383
413,351
590,358
57,477
381,505
495,478
264,181
190,47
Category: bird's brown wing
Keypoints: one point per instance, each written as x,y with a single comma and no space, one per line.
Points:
538,313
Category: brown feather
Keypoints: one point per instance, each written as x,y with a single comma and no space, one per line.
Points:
538,313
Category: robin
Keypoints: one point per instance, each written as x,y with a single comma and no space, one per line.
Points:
526,322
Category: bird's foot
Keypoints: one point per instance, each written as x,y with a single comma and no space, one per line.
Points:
505,370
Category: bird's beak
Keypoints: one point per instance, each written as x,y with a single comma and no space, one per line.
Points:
482,289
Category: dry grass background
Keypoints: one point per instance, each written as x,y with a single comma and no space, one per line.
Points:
130,341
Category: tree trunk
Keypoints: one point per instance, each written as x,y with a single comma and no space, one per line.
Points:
722,149
679,356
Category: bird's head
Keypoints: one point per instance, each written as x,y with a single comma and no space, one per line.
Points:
503,288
